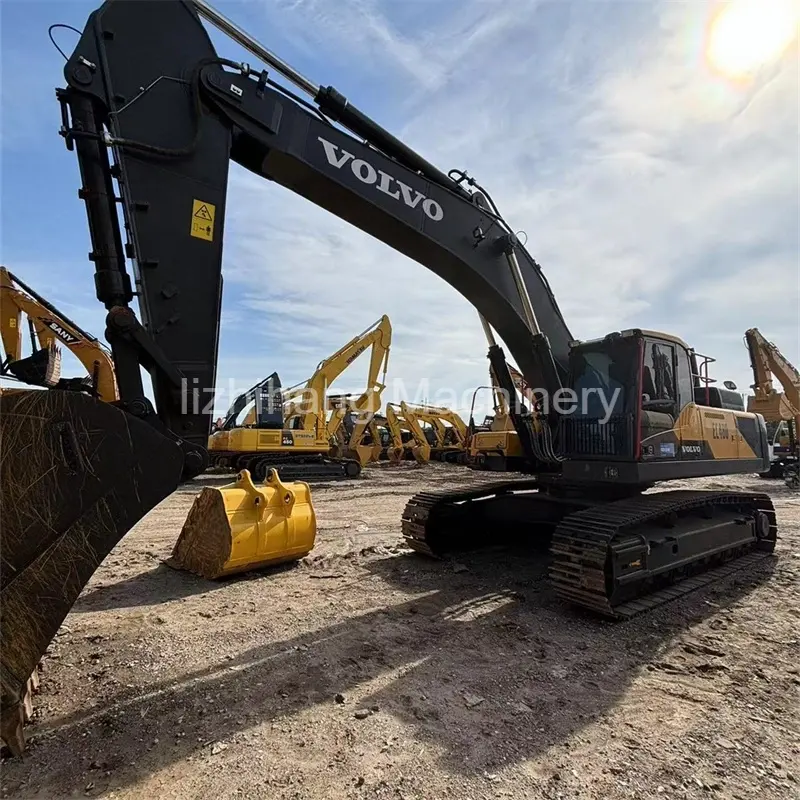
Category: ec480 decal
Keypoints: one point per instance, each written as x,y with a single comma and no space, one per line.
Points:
719,430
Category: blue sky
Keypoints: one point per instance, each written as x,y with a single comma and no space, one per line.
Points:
655,191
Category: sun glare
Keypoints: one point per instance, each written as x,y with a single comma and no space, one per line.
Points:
748,34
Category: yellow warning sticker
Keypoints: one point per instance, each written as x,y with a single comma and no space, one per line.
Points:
203,220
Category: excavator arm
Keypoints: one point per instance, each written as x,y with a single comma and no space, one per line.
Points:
52,329
351,432
395,427
306,401
422,447
457,424
369,401
378,338
155,116
417,417
767,360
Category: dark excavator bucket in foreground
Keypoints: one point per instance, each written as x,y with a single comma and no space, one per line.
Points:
75,475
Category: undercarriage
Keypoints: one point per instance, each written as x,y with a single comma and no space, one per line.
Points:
614,556
290,465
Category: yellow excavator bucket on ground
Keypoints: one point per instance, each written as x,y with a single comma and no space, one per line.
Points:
241,527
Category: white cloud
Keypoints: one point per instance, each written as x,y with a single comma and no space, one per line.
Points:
644,182
414,58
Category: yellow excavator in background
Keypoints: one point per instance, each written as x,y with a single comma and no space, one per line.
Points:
781,410
407,438
392,433
494,445
309,403
444,430
356,434
349,423
49,330
289,429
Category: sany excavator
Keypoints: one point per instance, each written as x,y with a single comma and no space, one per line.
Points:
291,430
777,408
49,330
154,115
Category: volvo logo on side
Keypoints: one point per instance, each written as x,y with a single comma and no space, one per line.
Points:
382,181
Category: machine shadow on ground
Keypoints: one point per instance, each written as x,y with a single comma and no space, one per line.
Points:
485,664
156,586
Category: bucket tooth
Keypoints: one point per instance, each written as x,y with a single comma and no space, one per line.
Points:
242,527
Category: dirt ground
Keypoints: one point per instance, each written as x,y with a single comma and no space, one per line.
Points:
369,672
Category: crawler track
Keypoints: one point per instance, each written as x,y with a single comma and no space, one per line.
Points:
426,512
587,550
297,466
623,557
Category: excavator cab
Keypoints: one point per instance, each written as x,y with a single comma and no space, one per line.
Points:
641,408
266,410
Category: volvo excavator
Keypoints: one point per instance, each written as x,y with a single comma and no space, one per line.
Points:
291,430
781,409
154,116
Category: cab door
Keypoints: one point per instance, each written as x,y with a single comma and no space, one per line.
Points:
660,403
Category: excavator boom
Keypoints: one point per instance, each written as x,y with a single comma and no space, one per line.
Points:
305,403
378,339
